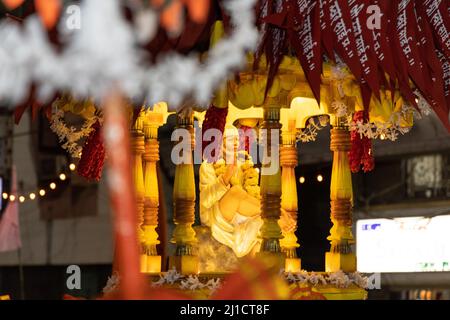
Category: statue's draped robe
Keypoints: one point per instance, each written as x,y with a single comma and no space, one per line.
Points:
240,234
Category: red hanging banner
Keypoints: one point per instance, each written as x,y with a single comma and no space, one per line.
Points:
405,48
438,13
364,43
273,15
431,63
445,62
382,48
326,32
343,38
305,38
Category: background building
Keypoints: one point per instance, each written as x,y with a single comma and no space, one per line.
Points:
411,179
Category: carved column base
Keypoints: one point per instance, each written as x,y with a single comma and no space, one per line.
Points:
150,264
185,264
150,260
185,260
270,247
293,265
289,247
340,261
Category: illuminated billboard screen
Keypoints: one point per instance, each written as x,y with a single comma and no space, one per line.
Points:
403,244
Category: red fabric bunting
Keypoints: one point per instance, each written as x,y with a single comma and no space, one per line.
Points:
435,87
305,38
273,18
445,62
405,50
382,44
395,52
343,40
364,44
325,27
437,14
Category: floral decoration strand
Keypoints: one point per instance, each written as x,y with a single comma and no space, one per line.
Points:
69,137
187,283
309,134
338,279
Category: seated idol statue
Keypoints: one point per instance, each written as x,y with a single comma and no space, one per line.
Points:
230,199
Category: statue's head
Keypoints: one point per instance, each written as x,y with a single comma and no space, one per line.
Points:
230,144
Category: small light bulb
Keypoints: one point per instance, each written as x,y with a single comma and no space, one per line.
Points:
62,177
382,136
22,199
53,186
32,196
42,192
12,198
320,178
302,180
5,195
72,167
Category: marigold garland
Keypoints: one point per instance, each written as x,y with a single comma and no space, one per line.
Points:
247,176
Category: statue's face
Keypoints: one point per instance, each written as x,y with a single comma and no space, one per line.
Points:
230,145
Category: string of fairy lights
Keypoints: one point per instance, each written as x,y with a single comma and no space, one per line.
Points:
63,177
319,178
42,192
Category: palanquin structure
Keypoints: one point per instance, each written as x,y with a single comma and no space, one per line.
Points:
314,61
289,106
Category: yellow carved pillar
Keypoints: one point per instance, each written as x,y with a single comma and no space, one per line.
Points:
341,256
289,199
138,149
185,260
150,260
271,186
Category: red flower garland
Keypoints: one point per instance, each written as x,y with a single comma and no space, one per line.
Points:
361,153
215,118
93,155
246,139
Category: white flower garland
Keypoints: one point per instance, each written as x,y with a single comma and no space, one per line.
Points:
340,108
69,137
386,131
339,74
309,134
187,283
393,128
338,279
102,56
424,106
112,284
